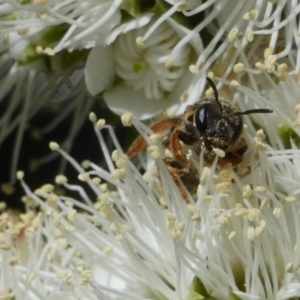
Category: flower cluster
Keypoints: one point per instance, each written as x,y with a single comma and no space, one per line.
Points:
138,57
152,54
139,239
125,230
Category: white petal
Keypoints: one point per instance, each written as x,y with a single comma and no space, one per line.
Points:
134,24
182,31
99,70
61,295
245,296
290,291
183,85
122,98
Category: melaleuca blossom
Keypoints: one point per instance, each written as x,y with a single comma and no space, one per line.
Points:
143,73
242,36
57,25
44,47
236,239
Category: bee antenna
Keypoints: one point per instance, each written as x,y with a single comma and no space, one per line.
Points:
214,88
255,111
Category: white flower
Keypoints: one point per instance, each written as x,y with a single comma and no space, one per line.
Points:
130,234
239,34
142,65
282,128
34,35
242,33
26,91
154,72
140,239
72,24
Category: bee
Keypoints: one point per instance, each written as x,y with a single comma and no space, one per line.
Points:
205,126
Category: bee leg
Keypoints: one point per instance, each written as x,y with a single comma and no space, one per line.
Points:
190,136
162,128
178,148
234,155
239,148
175,165
176,171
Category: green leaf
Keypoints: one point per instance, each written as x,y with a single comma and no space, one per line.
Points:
29,55
286,133
49,37
161,7
53,34
199,288
132,7
24,2
69,59
195,296
10,17
233,296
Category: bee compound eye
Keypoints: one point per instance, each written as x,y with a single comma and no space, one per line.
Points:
201,119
